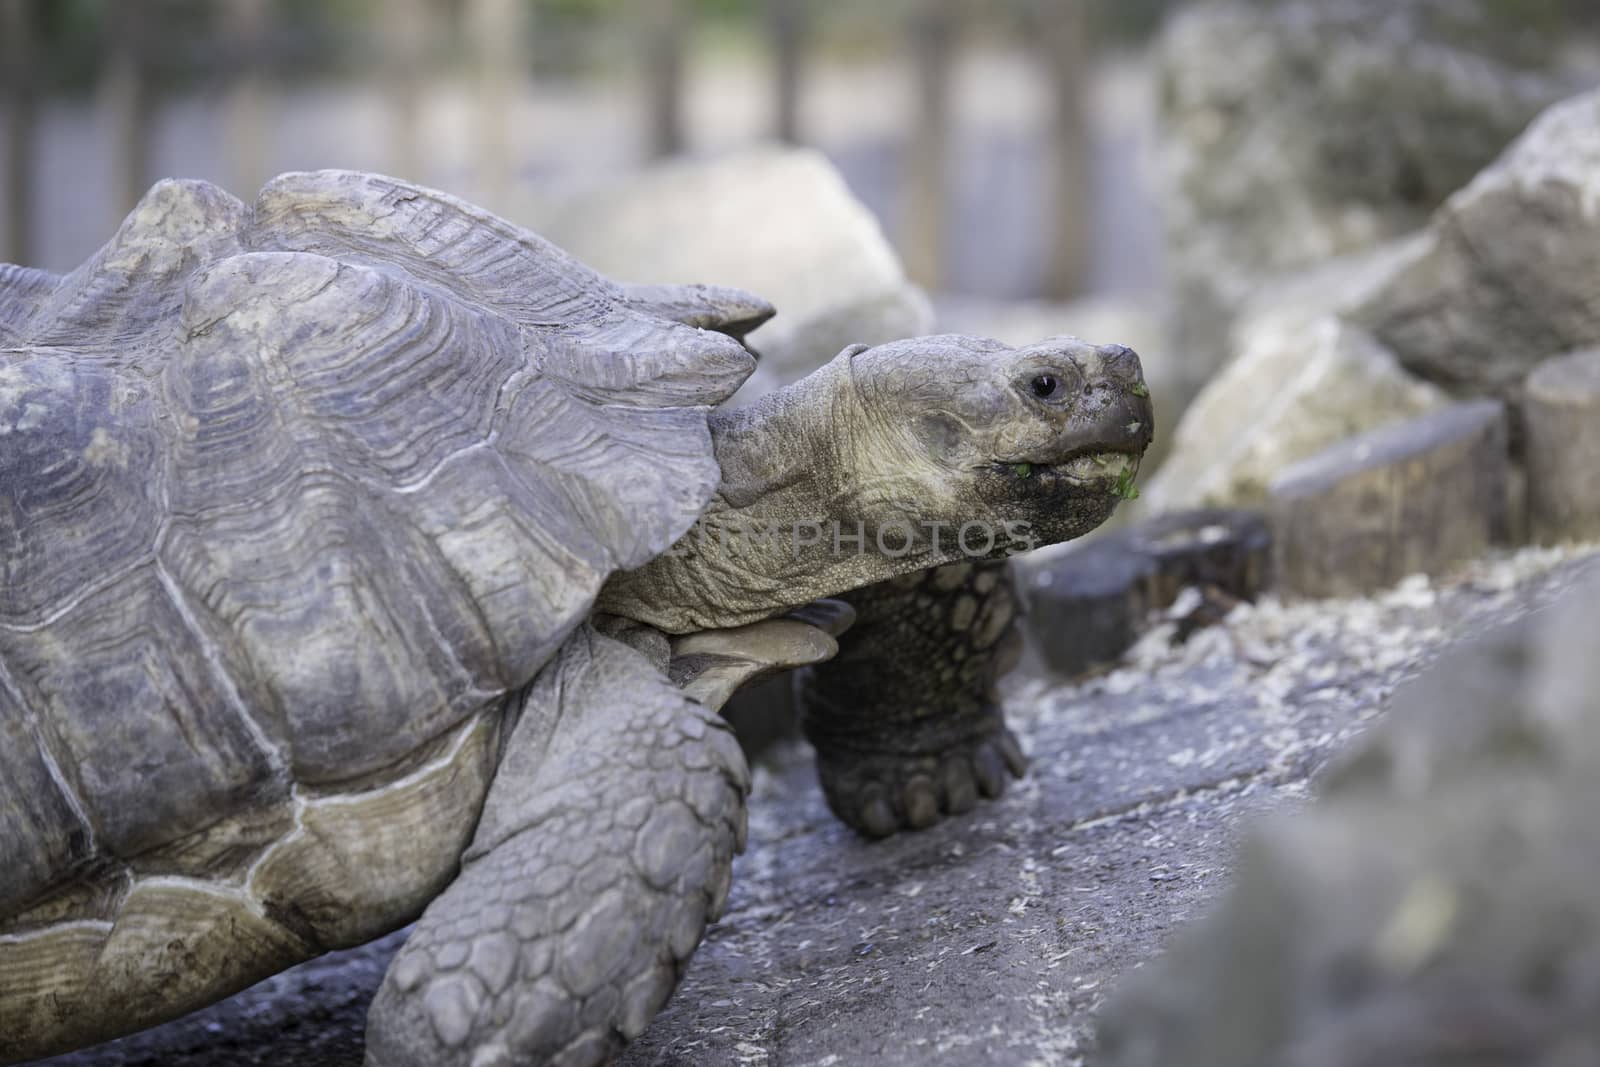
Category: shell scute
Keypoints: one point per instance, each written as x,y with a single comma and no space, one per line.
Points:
434,239
80,465
105,309
41,836
150,738
22,289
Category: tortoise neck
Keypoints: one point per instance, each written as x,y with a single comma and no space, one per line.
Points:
780,456
783,529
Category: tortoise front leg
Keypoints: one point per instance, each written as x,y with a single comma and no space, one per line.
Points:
905,719
605,846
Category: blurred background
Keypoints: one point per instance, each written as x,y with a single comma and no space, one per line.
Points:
996,140
1356,243
1129,170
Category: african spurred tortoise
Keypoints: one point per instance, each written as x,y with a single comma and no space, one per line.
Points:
366,557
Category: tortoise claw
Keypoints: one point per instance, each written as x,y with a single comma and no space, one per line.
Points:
881,793
990,768
877,817
1016,761
921,803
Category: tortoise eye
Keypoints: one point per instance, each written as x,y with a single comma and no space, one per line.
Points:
1045,386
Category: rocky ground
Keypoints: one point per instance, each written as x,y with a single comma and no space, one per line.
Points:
991,939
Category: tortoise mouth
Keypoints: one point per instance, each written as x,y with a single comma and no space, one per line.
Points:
1086,467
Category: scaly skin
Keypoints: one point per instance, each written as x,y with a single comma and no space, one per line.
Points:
905,719
605,847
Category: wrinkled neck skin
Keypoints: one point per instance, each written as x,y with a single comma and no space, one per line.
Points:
794,519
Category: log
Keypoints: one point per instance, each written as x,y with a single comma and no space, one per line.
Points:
1415,497
1088,606
1561,447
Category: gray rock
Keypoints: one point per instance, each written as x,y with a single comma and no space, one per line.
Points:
1303,379
1509,273
1435,907
1305,130
780,221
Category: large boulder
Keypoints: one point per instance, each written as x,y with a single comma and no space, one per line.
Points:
1435,907
777,221
1305,130
1303,379
1509,271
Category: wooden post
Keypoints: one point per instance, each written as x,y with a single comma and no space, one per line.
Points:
934,28
1416,496
1065,51
787,23
125,105
17,49
406,35
1561,447
1089,604
497,28
665,30
249,35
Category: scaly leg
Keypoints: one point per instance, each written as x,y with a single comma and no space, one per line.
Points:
905,718
605,846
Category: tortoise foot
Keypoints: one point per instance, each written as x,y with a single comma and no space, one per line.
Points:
880,792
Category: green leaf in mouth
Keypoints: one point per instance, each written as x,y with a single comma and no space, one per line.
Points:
1125,487
1022,470
1139,389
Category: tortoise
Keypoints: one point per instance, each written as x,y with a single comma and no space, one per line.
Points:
367,559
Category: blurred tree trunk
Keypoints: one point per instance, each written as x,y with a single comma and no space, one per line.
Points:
1065,50
17,51
124,103
497,29
248,124
665,28
788,23
934,31
409,26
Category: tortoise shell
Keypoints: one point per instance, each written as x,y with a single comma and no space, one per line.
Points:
290,491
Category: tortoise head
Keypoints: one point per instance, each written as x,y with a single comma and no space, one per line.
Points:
895,458
1035,445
